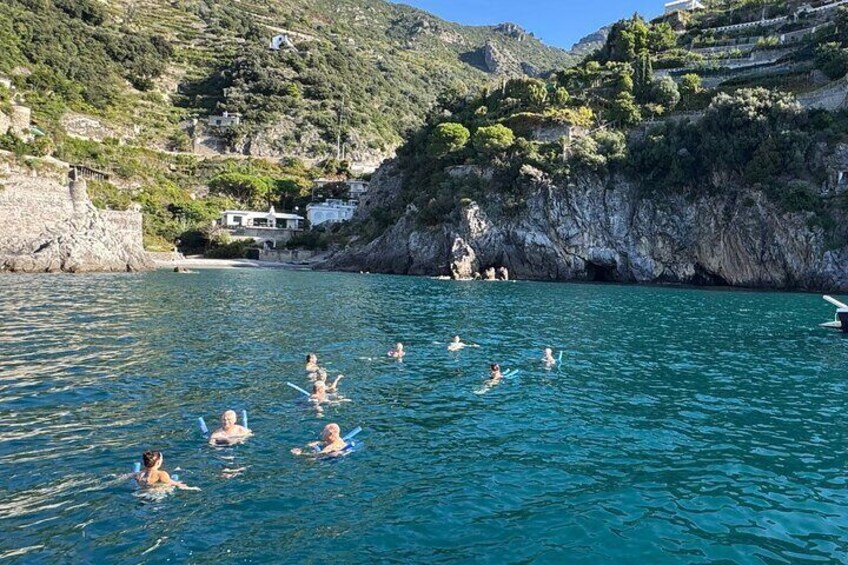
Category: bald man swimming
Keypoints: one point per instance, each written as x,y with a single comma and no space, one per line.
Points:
331,442
229,432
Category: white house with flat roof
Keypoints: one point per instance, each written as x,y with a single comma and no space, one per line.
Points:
683,6
269,220
330,211
225,120
356,188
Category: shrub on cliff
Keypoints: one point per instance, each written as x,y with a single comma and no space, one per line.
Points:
832,60
489,139
107,196
599,152
665,93
448,137
753,136
625,111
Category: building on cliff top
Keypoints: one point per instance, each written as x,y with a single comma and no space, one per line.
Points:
683,6
356,188
226,120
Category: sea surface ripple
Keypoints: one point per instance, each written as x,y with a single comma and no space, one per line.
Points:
684,425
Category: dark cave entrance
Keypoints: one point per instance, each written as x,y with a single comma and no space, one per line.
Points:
600,273
703,277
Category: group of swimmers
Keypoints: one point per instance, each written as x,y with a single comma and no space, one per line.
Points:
331,444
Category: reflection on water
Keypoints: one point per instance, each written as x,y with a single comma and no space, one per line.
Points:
684,426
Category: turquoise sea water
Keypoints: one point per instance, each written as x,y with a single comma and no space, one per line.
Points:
686,426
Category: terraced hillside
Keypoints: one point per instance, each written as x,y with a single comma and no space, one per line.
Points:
354,74
772,44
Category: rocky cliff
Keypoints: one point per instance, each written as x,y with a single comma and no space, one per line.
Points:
49,226
607,231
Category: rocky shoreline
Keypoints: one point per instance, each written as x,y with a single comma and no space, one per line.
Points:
609,232
50,225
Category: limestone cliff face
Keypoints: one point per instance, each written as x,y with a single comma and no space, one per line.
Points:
49,226
607,232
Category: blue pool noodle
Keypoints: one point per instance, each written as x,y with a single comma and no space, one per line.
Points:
203,427
297,388
559,359
511,373
352,434
244,418
345,439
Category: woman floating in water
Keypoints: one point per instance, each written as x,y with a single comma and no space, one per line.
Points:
321,375
457,344
331,442
548,357
319,392
495,377
153,476
397,352
229,432
312,363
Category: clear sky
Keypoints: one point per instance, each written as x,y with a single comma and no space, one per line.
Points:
556,22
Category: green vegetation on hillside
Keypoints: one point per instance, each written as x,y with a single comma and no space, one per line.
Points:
70,54
588,122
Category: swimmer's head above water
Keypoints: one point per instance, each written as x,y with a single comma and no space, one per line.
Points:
152,459
228,420
331,433
319,390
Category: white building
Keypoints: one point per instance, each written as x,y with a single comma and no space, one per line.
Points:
683,6
331,211
225,120
280,41
266,220
356,189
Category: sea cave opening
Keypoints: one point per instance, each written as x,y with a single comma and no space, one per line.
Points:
600,273
703,277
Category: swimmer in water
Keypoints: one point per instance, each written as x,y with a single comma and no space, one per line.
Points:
495,376
331,442
153,476
319,392
312,363
397,352
321,376
548,357
456,344
229,432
